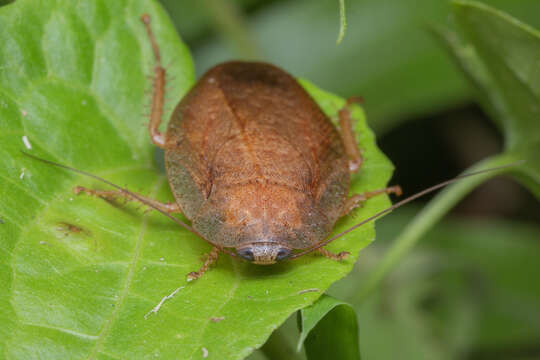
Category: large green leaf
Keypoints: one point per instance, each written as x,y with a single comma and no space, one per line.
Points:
73,82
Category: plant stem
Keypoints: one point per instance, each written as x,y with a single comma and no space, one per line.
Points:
342,21
430,215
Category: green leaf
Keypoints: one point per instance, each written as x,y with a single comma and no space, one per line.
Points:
510,83
73,82
329,330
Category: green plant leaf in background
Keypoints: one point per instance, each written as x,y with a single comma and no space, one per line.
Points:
510,52
73,83
328,330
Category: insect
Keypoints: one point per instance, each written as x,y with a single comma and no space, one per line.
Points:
253,162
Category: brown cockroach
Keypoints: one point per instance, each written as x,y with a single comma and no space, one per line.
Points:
255,165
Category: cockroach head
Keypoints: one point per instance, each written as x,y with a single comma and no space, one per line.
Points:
264,253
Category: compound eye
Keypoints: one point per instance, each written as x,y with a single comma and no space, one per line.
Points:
282,254
246,254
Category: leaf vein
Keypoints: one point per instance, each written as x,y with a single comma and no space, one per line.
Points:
129,278
61,329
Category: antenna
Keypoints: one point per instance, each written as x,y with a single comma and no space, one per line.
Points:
401,203
130,193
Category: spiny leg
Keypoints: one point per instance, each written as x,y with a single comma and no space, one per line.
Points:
158,89
113,194
211,259
347,134
356,200
330,255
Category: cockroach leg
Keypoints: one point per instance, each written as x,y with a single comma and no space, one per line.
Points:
356,200
211,259
347,134
158,89
330,255
113,194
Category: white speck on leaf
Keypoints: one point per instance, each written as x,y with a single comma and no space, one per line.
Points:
24,113
22,174
308,291
26,142
204,352
161,259
165,298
